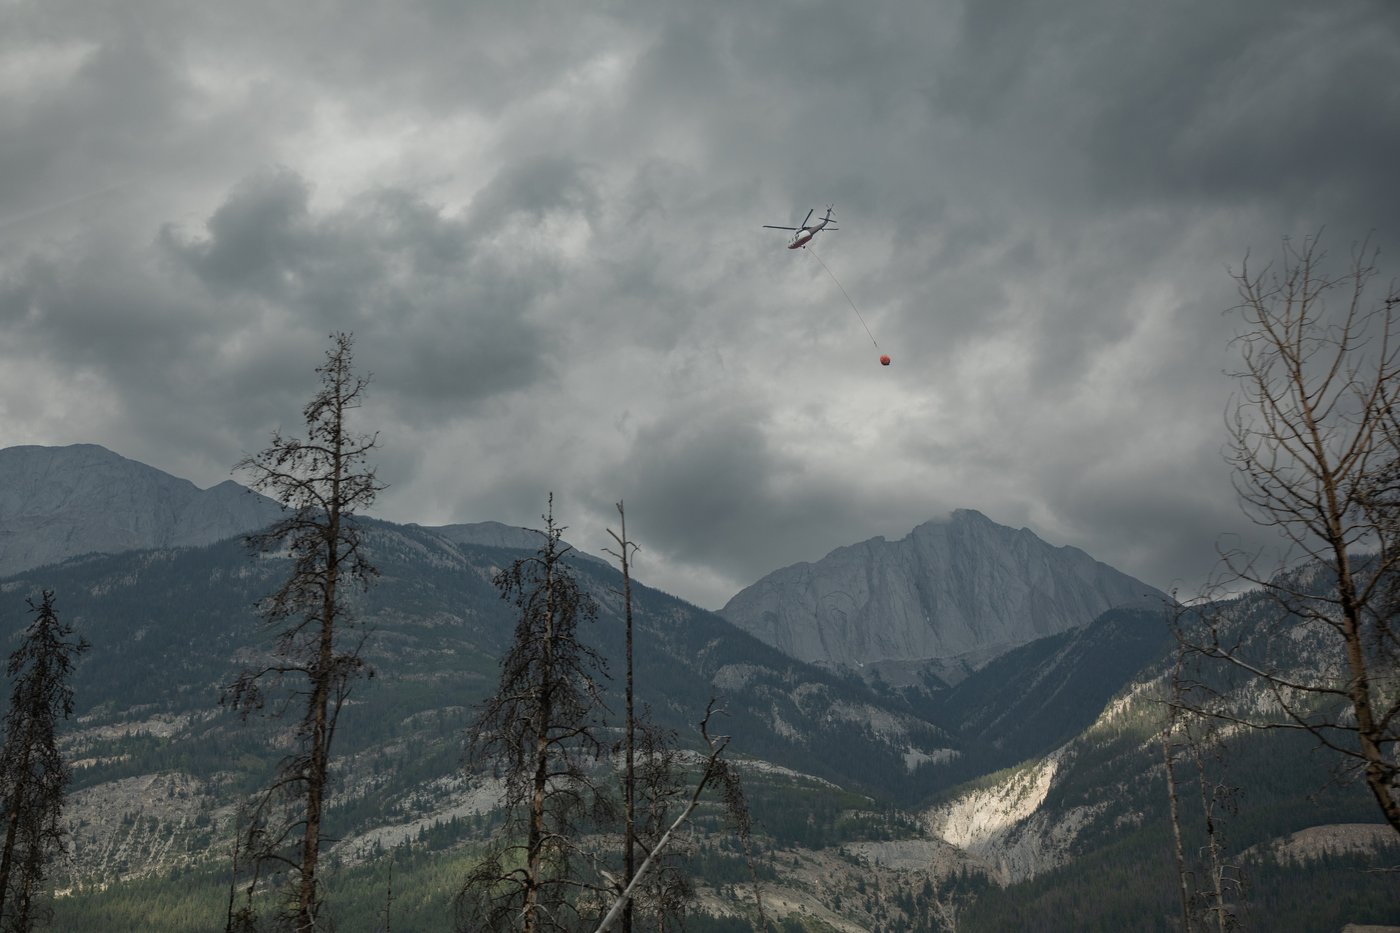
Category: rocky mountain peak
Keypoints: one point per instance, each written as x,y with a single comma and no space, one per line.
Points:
957,586
58,502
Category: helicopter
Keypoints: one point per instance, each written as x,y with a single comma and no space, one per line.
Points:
803,235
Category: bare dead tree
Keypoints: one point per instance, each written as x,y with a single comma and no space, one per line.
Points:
1211,891
323,482
540,733
667,891
660,886
1314,445
1211,887
716,770
1216,797
388,925
239,919
624,552
33,775
1170,751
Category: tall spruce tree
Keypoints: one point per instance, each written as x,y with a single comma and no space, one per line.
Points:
33,775
539,733
323,481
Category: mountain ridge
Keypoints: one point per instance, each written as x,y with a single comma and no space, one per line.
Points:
959,586
59,502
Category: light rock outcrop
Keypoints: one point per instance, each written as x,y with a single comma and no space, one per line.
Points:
962,586
1006,826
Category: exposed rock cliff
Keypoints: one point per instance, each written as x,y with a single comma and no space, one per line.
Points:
1006,826
57,502
960,586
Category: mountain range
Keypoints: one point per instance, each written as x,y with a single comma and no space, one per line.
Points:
950,731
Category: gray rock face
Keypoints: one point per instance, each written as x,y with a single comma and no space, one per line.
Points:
58,502
961,586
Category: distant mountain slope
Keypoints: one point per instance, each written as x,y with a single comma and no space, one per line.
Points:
1080,835
1028,702
1075,829
497,534
490,534
1036,697
960,586
170,628
58,502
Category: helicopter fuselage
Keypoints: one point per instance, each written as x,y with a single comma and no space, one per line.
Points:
803,235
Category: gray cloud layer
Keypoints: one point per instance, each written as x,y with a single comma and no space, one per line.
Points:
542,222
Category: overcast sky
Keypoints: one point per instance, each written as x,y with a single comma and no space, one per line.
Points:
542,222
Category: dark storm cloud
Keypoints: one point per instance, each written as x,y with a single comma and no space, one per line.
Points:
535,187
700,476
1258,106
258,240
235,319
97,315
543,222
1201,100
109,96
442,327
708,485
112,101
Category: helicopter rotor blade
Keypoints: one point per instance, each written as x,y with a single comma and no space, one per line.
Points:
807,218
771,227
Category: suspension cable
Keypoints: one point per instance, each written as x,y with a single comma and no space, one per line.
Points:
859,317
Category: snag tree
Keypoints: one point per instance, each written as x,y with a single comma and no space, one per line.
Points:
539,733
323,482
1315,443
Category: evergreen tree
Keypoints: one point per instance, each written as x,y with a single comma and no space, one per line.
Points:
539,732
33,774
323,482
